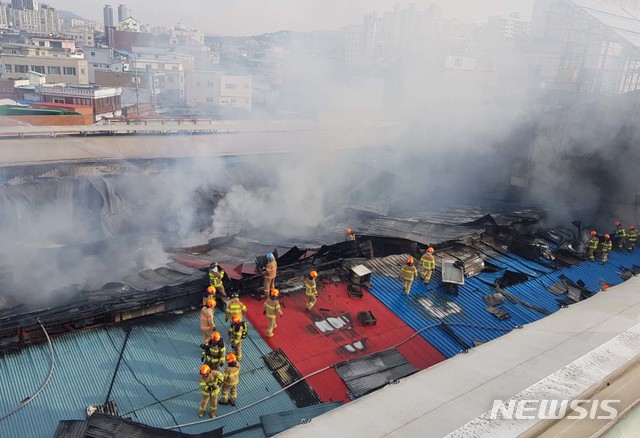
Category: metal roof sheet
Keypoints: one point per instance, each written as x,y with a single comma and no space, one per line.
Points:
160,362
276,423
465,315
331,333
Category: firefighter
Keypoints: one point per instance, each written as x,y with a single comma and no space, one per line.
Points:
216,274
271,309
215,352
237,332
593,245
208,295
207,324
407,273
311,290
269,275
235,307
605,247
633,237
428,262
210,383
351,236
231,379
621,234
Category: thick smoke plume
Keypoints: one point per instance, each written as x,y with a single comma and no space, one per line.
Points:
577,160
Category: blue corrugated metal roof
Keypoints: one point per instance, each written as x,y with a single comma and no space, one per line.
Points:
276,423
466,315
161,362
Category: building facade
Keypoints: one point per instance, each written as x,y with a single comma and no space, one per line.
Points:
212,89
106,101
70,70
107,16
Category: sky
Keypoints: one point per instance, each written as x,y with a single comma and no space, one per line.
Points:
252,17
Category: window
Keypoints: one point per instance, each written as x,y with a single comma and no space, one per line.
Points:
93,53
38,68
58,100
198,84
8,67
209,84
53,70
69,71
230,86
246,101
233,101
82,71
458,62
209,99
41,43
21,68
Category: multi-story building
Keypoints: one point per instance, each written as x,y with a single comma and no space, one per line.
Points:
4,19
506,28
167,70
130,24
212,89
106,101
181,36
590,48
49,19
25,4
123,12
107,14
81,35
104,59
58,65
24,19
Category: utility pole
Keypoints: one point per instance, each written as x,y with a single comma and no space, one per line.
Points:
136,80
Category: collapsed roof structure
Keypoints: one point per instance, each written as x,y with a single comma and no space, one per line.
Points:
349,345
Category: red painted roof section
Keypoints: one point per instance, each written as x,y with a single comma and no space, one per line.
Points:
300,335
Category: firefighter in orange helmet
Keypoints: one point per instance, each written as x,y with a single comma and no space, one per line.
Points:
428,262
210,384
231,380
408,273
207,324
271,309
350,235
592,245
311,290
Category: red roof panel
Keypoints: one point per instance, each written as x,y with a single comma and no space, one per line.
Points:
331,333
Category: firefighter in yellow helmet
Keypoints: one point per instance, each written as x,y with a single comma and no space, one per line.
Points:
605,248
210,384
269,274
311,290
272,308
231,379
408,273
237,332
207,324
235,307
428,262
592,245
